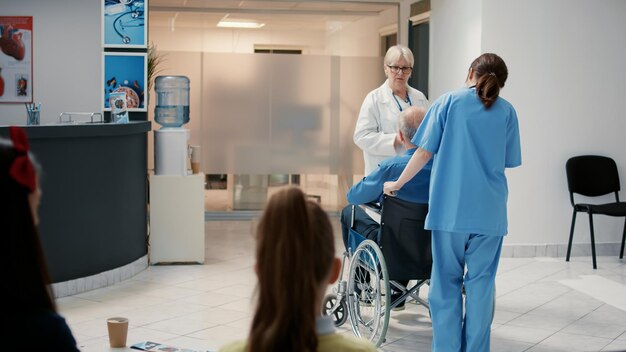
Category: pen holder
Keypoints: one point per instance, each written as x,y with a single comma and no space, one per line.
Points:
33,117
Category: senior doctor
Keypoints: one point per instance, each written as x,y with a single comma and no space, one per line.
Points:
376,128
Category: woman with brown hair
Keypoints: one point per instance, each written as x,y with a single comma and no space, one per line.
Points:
473,134
295,263
32,322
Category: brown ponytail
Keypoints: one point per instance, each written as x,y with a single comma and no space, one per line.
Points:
490,73
294,255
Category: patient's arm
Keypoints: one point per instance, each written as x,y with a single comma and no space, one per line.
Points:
416,163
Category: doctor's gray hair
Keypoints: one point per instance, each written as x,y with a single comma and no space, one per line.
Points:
396,52
409,121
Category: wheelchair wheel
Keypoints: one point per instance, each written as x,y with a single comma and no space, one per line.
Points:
368,293
339,313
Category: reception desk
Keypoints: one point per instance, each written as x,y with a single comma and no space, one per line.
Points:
93,214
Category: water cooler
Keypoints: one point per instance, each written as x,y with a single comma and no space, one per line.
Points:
176,198
171,112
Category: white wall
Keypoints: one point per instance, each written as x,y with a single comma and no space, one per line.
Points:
66,57
566,80
455,30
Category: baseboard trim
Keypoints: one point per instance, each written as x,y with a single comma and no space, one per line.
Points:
559,250
107,278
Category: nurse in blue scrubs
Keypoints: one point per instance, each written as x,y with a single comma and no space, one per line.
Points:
473,135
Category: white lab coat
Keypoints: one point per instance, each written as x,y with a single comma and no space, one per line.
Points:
377,124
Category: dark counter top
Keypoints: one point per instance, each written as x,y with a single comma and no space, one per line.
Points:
83,129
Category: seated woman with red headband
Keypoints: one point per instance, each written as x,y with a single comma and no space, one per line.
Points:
30,320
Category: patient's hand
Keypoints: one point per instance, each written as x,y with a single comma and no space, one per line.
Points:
390,188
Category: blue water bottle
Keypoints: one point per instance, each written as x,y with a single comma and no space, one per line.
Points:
172,104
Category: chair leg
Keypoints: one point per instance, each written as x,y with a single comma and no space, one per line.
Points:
571,237
593,241
621,252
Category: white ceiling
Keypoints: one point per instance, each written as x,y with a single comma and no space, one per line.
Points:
276,14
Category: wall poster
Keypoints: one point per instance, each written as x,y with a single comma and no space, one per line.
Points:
124,24
16,59
125,73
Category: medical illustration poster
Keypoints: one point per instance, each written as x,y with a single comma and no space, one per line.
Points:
16,59
124,23
126,73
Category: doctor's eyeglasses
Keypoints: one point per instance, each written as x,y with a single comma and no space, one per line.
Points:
397,69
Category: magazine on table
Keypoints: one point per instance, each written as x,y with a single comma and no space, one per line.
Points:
159,347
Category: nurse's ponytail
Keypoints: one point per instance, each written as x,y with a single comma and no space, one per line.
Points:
490,73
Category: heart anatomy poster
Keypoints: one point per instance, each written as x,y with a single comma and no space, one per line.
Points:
16,59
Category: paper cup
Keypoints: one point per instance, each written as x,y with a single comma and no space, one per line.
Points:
118,330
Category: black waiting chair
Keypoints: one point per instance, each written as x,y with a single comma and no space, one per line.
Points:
593,176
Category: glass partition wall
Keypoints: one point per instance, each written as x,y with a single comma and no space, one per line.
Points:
272,120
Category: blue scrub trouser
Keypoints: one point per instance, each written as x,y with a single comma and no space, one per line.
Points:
453,251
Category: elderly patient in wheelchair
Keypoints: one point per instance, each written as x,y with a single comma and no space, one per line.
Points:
370,190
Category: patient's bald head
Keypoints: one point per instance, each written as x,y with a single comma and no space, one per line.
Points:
409,121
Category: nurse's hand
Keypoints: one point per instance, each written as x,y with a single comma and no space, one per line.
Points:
390,188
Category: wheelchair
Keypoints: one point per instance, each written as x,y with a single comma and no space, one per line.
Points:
401,252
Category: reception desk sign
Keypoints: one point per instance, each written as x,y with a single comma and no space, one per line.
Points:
16,59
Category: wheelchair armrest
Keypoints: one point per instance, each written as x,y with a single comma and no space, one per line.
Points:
373,206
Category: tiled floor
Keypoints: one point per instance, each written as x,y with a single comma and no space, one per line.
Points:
543,304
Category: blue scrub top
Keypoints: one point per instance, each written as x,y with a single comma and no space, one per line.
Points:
472,146
370,189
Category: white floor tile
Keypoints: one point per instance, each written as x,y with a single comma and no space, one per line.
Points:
146,315
600,288
180,325
243,324
522,334
172,292
210,299
592,328
502,316
606,314
504,345
615,346
140,334
245,305
570,342
571,305
91,328
216,316
220,335
548,323
204,285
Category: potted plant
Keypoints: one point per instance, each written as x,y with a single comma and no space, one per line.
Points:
155,59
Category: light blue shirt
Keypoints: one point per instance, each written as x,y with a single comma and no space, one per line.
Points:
370,189
471,146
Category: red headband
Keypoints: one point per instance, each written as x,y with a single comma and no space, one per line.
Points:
22,170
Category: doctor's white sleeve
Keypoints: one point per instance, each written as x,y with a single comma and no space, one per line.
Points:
368,134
